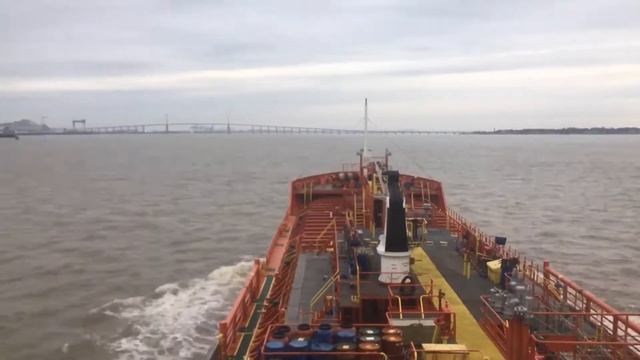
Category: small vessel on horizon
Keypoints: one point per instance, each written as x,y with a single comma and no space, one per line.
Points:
370,263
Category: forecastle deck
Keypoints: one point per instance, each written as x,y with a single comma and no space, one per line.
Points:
322,268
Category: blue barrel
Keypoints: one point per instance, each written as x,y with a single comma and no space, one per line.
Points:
301,338
298,345
273,346
346,336
323,334
363,262
321,348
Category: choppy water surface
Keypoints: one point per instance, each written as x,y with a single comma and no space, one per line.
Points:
133,247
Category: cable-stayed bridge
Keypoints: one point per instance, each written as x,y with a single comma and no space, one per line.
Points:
80,128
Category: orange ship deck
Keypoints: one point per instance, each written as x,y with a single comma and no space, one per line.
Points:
307,276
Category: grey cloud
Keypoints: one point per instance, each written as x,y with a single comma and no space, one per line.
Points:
49,40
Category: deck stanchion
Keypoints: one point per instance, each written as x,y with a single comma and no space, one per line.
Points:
364,196
412,203
355,210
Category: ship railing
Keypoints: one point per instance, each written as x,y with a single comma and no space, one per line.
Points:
241,311
319,244
358,274
408,291
420,228
494,325
305,190
351,167
552,290
331,283
307,198
558,326
563,347
348,216
580,324
444,321
395,276
398,276
426,189
280,238
274,310
379,186
288,272
483,244
440,303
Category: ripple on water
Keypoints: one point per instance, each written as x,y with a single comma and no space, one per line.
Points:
176,321
93,219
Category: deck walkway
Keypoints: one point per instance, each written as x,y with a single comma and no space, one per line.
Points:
247,336
446,272
312,272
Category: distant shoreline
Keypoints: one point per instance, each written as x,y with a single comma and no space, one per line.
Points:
28,127
563,131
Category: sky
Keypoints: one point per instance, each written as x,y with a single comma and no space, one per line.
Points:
429,65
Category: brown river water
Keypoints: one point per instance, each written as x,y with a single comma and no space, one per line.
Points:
134,246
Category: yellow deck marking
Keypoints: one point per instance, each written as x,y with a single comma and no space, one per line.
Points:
468,331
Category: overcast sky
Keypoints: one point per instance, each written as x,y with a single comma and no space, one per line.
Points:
454,65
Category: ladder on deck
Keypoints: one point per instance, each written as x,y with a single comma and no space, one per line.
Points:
358,209
439,219
321,221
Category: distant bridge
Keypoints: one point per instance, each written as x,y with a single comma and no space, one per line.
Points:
231,128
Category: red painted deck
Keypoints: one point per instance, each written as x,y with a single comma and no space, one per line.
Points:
318,208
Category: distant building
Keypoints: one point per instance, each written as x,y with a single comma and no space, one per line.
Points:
25,126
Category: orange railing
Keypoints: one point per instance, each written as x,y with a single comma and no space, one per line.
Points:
493,325
241,311
565,332
582,350
277,247
330,246
403,289
274,311
350,166
318,244
481,243
287,273
552,287
445,320
551,290
331,282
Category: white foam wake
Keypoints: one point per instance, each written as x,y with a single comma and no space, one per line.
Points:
179,321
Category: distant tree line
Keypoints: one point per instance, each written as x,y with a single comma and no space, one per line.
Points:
564,131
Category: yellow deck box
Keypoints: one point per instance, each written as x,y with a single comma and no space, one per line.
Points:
445,352
493,270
